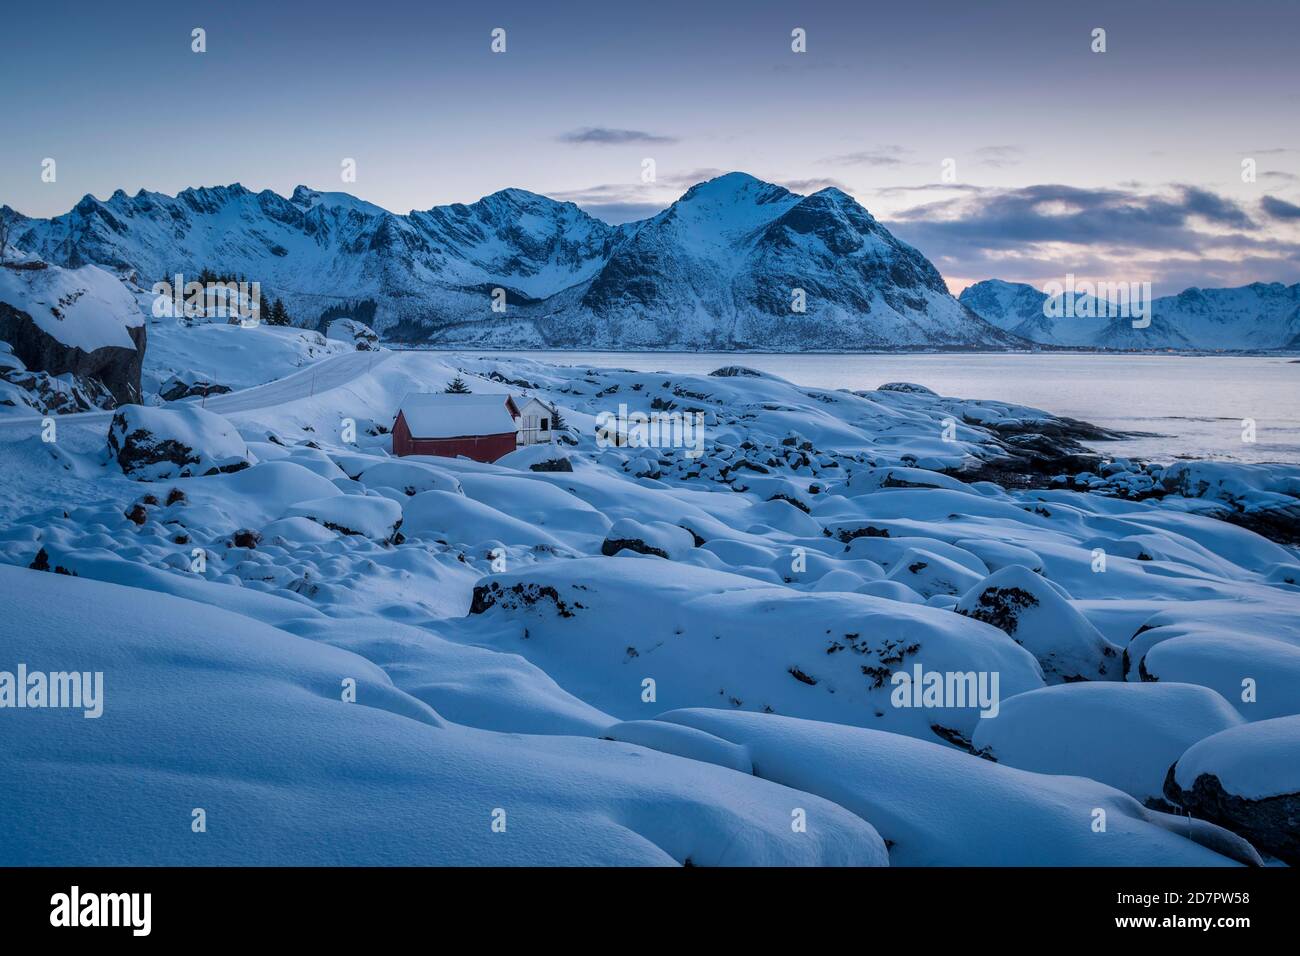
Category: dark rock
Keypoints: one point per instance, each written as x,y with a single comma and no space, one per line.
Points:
175,388
1272,823
521,595
1001,607
245,538
612,546
552,464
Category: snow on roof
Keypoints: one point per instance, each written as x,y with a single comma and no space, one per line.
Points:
444,415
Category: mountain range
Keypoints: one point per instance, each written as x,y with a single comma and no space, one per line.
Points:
726,266
1260,316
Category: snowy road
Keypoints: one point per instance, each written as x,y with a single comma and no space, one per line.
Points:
322,376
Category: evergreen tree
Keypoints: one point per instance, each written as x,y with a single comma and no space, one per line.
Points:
458,387
277,314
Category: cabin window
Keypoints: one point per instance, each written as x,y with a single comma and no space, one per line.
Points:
546,424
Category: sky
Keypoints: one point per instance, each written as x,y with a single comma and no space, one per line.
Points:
1123,165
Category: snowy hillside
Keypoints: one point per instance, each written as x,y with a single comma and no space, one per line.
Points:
645,656
721,268
1253,317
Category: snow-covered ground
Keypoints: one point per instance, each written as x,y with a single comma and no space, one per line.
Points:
657,656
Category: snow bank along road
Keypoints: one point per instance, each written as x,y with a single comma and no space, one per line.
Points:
321,376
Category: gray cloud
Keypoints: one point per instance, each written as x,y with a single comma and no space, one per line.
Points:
998,157
877,156
812,185
609,136
1183,236
1279,208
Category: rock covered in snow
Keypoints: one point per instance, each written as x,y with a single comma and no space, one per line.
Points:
657,538
372,517
1246,778
1125,735
153,444
40,393
357,334
83,322
541,457
186,383
718,639
1039,617
939,807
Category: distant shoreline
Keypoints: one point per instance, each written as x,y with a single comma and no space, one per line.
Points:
1047,350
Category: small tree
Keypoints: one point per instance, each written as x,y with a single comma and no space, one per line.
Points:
458,387
557,420
277,314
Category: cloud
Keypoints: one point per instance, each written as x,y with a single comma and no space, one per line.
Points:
616,213
1279,208
617,203
878,156
812,185
998,157
1176,237
609,136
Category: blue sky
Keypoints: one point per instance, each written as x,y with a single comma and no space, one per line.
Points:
1124,164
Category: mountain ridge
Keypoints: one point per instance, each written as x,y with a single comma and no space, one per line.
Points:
725,266
1259,316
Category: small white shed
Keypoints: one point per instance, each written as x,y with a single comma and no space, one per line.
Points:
536,422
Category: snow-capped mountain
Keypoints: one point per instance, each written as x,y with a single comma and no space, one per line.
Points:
719,268
1257,316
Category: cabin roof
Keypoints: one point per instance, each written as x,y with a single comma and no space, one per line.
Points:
443,415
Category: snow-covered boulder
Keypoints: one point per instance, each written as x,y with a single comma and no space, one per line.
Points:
718,639
1262,497
154,444
376,518
40,393
1000,554
870,480
541,457
682,741
930,574
1248,651
187,383
79,321
658,538
255,714
1039,617
409,477
1246,778
910,388
1125,735
457,519
937,806
357,334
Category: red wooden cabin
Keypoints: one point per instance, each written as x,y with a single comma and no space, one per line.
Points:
481,427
